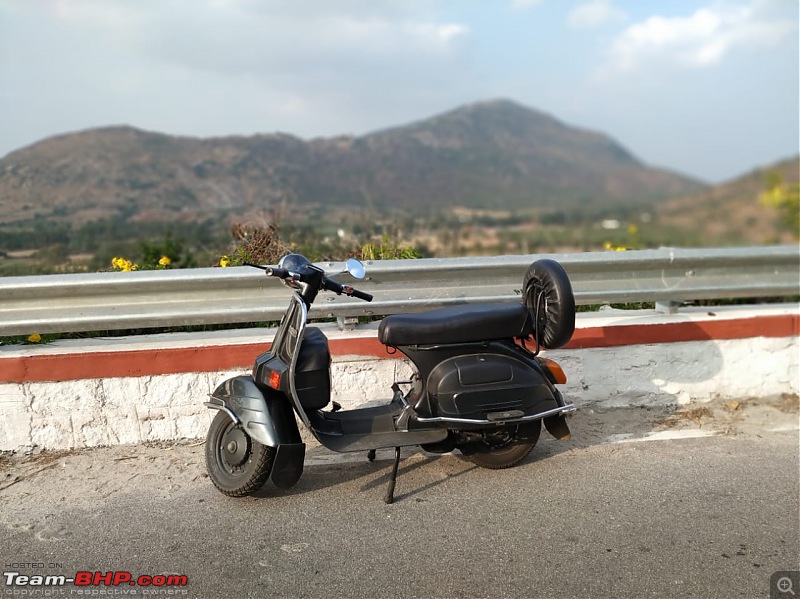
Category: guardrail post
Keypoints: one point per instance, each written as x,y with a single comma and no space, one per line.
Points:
346,323
667,307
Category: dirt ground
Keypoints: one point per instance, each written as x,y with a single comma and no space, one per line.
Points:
165,468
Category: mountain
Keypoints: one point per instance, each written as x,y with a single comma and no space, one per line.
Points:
495,154
731,212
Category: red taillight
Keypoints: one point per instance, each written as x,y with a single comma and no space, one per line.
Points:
275,379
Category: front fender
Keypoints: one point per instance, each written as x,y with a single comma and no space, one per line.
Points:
266,415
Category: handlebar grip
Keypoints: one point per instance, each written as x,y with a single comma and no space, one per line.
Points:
338,289
332,285
277,272
361,295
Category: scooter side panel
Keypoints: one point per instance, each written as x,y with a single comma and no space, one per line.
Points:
267,416
473,380
479,384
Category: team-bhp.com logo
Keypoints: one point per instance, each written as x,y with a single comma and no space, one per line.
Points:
96,579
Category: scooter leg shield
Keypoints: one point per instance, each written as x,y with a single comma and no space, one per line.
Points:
269,419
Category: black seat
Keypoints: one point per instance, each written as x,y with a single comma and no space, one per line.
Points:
457,324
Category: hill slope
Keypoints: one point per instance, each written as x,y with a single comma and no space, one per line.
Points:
494,154
731,212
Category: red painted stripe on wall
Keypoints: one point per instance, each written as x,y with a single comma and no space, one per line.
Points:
785,325
149,362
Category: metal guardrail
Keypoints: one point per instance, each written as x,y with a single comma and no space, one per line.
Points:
133,300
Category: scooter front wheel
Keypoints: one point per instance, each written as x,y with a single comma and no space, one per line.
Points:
236,464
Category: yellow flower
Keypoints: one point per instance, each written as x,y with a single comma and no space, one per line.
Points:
123,264
165,261
35,338
224,262
615,248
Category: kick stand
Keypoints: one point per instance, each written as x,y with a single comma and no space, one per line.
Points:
389,497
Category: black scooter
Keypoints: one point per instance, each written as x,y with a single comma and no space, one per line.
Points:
476,387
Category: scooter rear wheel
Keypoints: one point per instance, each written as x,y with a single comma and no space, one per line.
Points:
506,455
236,464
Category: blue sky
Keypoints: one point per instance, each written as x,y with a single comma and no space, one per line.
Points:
708,88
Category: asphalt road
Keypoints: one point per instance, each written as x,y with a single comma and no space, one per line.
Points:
697,517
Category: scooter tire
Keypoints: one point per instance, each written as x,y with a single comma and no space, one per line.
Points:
236,464
506,456
556,315
497,459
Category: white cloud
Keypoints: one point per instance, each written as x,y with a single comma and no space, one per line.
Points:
214,67
448,32
701,39
594,13
253,35
243,39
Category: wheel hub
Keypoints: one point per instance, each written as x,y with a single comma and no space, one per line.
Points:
235,447
498,439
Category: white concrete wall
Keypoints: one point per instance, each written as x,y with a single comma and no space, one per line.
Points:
125,410
680,373
129,410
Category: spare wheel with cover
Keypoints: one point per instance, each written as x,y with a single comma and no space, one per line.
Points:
547,293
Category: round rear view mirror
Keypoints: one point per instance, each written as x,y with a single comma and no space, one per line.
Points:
355,268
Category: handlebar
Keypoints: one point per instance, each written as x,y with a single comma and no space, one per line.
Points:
274,271
328,284
281,273
339,289
367,297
